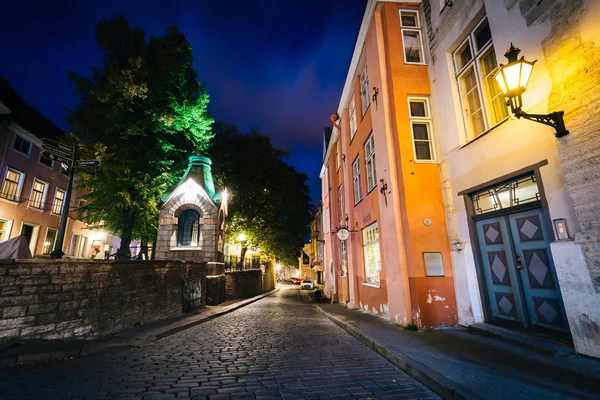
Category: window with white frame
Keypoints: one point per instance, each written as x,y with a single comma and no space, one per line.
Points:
340,203
475,63
411,37
38,194
364,89
372,256
49,241
356,176
13,183
337,156
3,230
420,125
370,163
352,111
21,145
59,199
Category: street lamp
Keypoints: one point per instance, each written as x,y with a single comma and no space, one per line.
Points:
317,232
512,79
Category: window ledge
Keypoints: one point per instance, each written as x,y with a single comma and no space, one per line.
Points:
16,202
414,63
185,248
373,285
482,134
370,190
426,161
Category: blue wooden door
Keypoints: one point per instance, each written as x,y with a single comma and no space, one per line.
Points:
533,259
500,272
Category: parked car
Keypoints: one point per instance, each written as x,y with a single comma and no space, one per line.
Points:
296,280
306,284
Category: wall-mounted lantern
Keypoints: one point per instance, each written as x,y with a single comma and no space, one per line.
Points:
513,78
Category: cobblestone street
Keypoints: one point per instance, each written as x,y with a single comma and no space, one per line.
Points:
278,347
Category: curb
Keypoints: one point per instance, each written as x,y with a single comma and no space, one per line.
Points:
430,378
97,349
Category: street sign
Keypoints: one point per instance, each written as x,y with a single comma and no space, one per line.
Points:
57,151
88,170
58,158
57,145
87,163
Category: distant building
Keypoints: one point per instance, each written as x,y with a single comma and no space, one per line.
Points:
32,188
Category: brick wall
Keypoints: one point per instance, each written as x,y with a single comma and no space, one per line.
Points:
244,284
58,299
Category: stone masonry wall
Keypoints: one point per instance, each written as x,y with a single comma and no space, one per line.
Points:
59,299
574,64
244,284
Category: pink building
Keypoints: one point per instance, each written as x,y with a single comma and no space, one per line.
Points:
32,188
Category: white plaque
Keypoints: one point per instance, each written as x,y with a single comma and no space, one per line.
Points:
434,266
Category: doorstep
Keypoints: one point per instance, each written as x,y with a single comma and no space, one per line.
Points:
539,344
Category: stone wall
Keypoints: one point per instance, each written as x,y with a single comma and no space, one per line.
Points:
59,299
572,53
245,284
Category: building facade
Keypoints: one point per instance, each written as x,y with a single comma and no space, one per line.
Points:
32,188
386,245
522,205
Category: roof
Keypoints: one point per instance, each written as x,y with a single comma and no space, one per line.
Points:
199,170
25,115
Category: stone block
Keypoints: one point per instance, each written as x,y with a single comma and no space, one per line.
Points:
45,319
46,269
69,325
18,300
33,280
41,289
12,312
42,308
35,330
55,297
7,280
8,323
9,333
68,278
10,291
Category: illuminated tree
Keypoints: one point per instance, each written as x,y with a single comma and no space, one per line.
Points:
269,200
141,113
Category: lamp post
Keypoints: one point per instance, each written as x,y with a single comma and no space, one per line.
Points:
512,79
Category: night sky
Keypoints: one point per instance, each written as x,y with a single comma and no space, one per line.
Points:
278,65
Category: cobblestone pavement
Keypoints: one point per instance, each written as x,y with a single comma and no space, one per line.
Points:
276,348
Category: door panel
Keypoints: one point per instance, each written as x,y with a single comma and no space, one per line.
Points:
538,276
500,272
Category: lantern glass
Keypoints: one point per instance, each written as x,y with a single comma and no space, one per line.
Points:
512,76
526,68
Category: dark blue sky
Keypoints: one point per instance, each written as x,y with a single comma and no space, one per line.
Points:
278,65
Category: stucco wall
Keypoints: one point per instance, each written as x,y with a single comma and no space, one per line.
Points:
560,36
59,299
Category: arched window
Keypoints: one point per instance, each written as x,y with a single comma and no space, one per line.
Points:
188,229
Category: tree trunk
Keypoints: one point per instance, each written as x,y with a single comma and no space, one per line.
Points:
243,255
152,257
143,251
124,253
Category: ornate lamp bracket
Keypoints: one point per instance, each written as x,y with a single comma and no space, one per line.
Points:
554,119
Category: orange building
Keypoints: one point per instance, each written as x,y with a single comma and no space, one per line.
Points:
386,244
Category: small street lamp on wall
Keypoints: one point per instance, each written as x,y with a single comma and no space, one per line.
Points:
512,79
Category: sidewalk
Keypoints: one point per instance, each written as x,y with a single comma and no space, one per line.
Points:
45,350
459,363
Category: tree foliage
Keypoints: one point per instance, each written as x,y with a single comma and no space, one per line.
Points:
142,112
268,200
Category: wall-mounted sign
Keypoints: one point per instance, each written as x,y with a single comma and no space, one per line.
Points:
434,266
343,234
